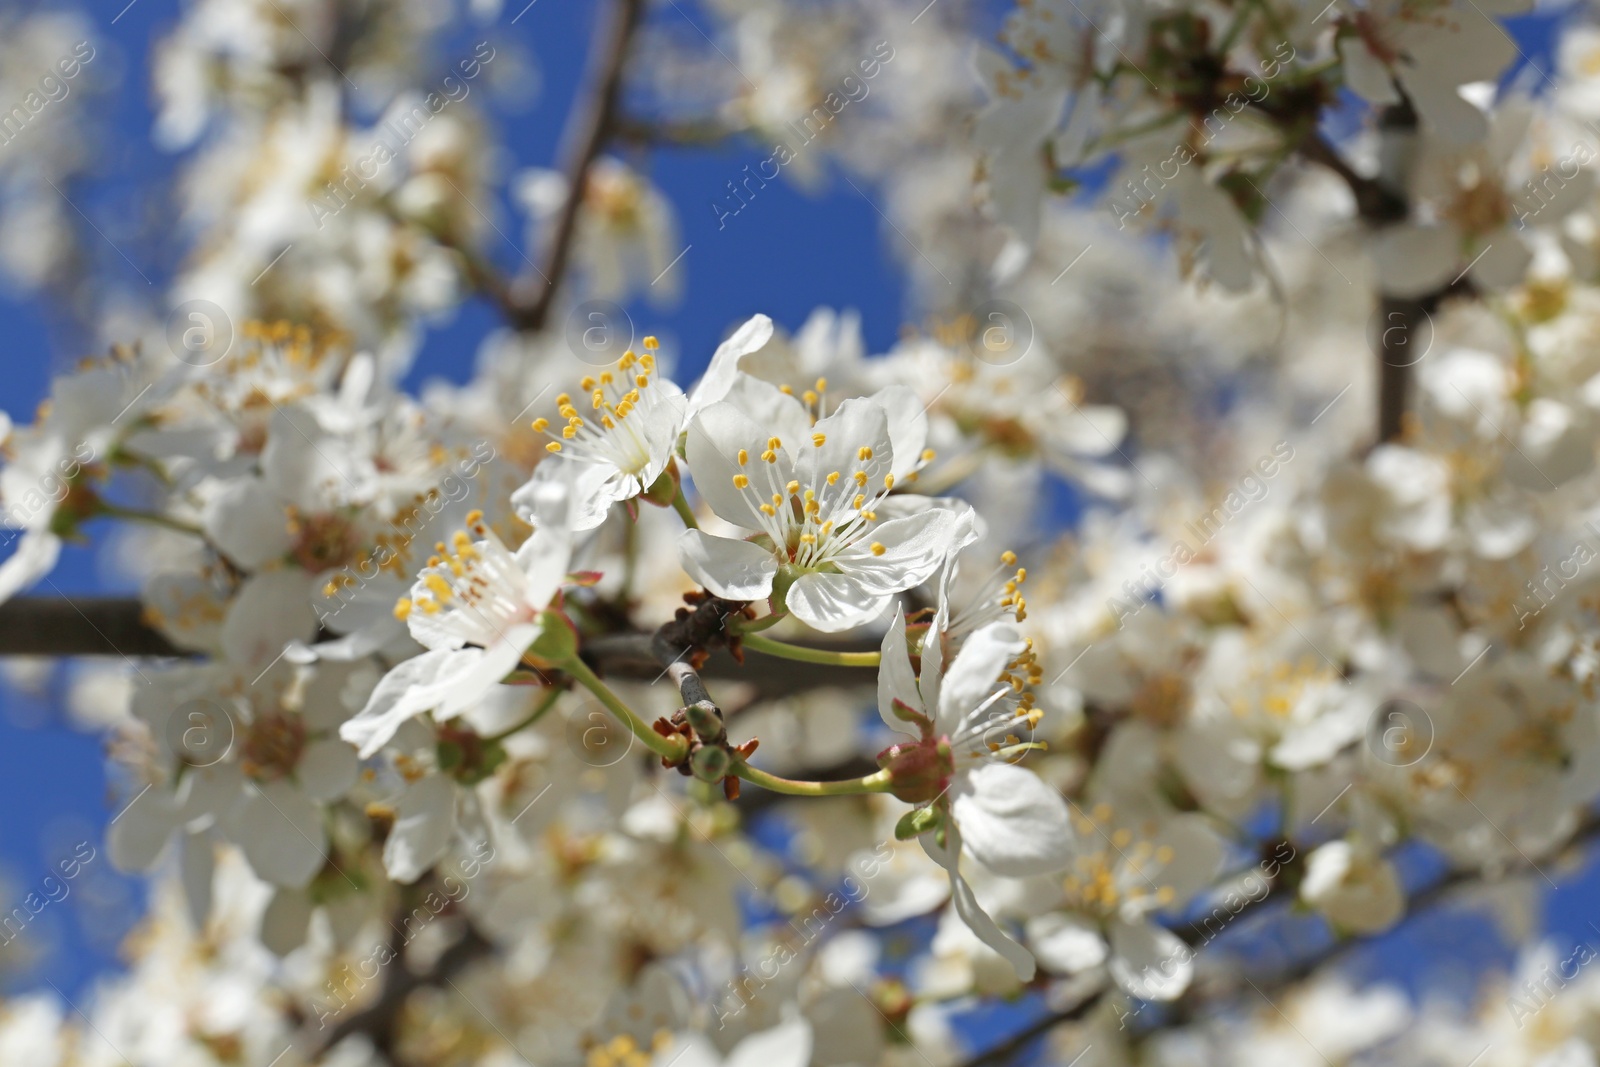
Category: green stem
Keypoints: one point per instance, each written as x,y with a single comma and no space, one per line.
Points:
544,705
736,625
680,504
668,748
151,517
784,650
872,783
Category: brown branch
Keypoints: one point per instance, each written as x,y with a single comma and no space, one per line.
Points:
111,626
531,314
1405,322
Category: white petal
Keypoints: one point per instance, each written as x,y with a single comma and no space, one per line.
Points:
914,548
246,521
786,1045
974,675
422,828
834,602
724,366
778,413
1013,823
737,570
409,689
35,556
272,609
1148,961
714,440
1503,262
285,921
281,833
137,833
1412,260
967,907
895,678
855,425
327,768
199,867
1066,944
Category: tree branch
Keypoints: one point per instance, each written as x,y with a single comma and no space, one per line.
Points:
599,124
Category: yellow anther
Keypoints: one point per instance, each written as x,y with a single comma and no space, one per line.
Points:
474,517
888,481
870,516
598,400
769,456
540,425
587,385
833,479
861,498
928,454
741,482
809,397
402,608
819,439
744,457
563,400
777,498
864,452
429,607
650,343
606,378
768,509
553,446
861,477
1008,558
811,495
878,549
437,585
785,390
641,380
774,443
792,488
808,539
822,385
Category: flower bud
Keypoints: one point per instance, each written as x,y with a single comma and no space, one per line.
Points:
710,764
918,772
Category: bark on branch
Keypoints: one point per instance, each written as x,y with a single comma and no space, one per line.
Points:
532,313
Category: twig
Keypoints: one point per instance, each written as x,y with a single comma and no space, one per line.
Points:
600,123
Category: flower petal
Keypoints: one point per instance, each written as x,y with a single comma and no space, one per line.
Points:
724,366
737,570
967,906
1150,962
1013,823
281,833
913,548
422,828
974,676
895,678
834,602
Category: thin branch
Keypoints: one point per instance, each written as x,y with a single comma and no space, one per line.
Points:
599,125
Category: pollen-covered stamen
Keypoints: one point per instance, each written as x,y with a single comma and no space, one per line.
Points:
998,598
810,524
472,588
611,432
1119,869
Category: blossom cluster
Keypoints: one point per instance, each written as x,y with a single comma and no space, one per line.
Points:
764,706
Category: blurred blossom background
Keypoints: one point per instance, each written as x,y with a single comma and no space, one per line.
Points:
1257,340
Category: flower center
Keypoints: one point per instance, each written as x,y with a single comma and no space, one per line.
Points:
609,435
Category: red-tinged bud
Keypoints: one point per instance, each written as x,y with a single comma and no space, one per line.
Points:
918,771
